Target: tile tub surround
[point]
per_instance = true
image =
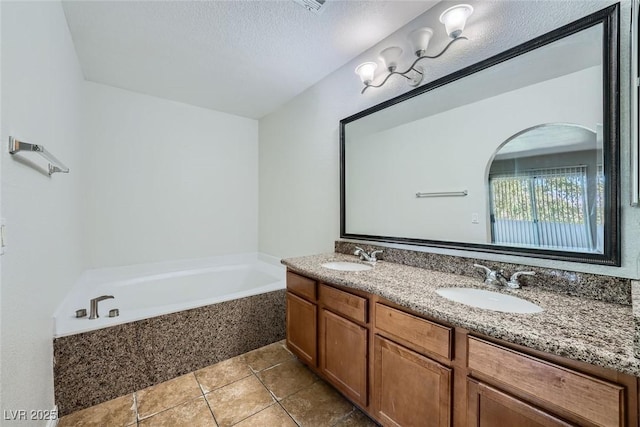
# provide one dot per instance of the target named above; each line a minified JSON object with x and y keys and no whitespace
{"x":602,"y":288}
{"x":97,"y":366}
{"x":578,"y":328}
{"x":265,"y":387}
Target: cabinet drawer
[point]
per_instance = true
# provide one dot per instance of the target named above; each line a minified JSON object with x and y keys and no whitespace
{"x":585,"y":397}
{"x":301,"y":286}
{"x":347,"y":304}
{"x":423,"y":335}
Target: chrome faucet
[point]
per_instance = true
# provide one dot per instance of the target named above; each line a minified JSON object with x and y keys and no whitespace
{"x":364,"y":256}
{"x":497,"y":277}
{"x":513,"y":282}
{"x":492,"y":277}
{"x":94,"y":305}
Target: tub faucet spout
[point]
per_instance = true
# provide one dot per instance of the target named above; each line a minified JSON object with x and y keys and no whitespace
{"x":94,"y":305}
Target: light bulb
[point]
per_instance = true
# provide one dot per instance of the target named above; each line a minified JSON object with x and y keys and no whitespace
{"x":366,"y":71}
{"x":419,"y":39}
{"x":390,"y":56}
{"x":455,"y":18}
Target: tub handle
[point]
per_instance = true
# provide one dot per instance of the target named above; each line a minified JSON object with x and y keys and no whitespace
{"x":94,"y":305}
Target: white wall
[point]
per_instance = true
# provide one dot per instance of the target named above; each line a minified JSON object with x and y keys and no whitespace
{"x":166,"y":180}
{"x":41,"y":84}
{"x":299,"y":143}
{"x":150,"y":180}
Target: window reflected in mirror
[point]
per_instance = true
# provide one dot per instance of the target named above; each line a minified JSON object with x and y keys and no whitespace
{"x":546,"y":189}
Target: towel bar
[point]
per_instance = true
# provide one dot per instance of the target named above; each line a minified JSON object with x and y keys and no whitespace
{"x":55,"y":165}
{"x":443,"y":194}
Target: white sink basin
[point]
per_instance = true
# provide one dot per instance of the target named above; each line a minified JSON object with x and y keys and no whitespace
{"x":346,"y":266}
{"x":489,"y":300}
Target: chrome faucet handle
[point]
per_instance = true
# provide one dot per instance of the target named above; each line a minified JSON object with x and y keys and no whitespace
{"x":364,"y":256}
{"x":492,"y":277}
{"x":373,"y":255}
{"x":514,"y":283}
{"x":94,"y":305}
{"x":487,"y":270}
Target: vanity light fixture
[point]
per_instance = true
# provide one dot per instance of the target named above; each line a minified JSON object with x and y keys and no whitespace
{"x":454,"y":20}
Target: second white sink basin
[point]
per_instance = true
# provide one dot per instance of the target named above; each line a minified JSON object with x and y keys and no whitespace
{"x":346,"y":266}
{"x":489,"y":300}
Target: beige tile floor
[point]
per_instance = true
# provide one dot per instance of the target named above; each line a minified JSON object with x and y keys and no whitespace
{"x":267,"y":387}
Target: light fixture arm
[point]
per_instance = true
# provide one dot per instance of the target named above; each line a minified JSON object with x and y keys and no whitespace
{"x":413,"y":66}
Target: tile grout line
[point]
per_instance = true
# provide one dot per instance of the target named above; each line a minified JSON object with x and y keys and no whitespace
{"x":190,"y":399}
{"x":204,"y":395}
{"x":211,"y":410}
{"x":135,"y":405}
{"x":225,"y":385}
{"x":251,"y":372}
{"x":270,"y":394}
{"x":289,"y":415}
{"x":274,"y":396}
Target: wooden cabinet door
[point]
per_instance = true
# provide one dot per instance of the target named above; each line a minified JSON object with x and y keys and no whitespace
{"x":409,"y":390}
{"x":490,"y":407}
{"x":343,"y":355}
{"x":302,"y":328}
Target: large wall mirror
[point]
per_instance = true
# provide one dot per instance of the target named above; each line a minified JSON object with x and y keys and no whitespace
{"x":517,"y":154}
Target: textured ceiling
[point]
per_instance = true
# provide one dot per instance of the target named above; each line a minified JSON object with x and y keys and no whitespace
{"x":241,"y":57}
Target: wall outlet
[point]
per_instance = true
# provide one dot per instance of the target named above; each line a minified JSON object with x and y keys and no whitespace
{"x":475,"y":219}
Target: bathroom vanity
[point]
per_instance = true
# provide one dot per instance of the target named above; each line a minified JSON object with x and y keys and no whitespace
{"x":408,"y":357}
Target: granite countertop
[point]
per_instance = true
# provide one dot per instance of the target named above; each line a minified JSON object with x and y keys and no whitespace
{"x":582,"y":329}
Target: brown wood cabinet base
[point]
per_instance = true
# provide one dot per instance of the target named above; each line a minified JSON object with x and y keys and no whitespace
{"x":404,"y":369}
{"x":343,"y":355}
{"x":409,"y":389}
{"x":301,"y":328}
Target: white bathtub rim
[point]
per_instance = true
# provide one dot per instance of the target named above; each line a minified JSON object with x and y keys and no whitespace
{"x":69,"y":325}
{"x":93,"y":278}
{"x":112,"y":274}
{"x":182,"y":273}
{"x":91,"y":281}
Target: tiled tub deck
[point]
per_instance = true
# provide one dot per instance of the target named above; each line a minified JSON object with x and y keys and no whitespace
{"x":97,"y":366}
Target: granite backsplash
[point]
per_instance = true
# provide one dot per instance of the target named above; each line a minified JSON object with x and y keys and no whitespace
{"x":602,"y":288}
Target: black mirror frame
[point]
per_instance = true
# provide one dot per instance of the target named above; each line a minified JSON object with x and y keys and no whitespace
{"x":610,"y":19}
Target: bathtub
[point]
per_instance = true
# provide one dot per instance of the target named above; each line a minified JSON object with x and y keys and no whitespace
{"x":150,"y":290}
